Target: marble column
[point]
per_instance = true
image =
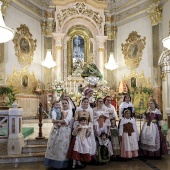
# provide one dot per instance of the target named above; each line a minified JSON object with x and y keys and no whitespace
{"x":57,"y":71}
{"x":164,"y":62}
{"x":101,"y":45}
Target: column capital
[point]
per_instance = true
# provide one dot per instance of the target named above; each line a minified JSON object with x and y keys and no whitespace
{"x":101,"y":40}
{"x":58,"y":37}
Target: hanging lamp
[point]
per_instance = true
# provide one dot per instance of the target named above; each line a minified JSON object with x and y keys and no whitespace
{"x":48,"y":62}
{"x":166,"y":41}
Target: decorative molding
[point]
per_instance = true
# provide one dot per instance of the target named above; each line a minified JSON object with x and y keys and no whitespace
{"x":164,"y":76}
{"x":24,"y":45}
{"x":80,"y":9}
{"x":22,"y":81}
{"x":47,"y":28}
{"x":5,"y":4}
{"x":133,"y":49}
{"x":155,"y":13}
{"x":141,"y":80}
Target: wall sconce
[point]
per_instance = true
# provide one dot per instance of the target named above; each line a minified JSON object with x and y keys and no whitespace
{"x":166,"y":41}
{"x":48,"y":62}
{"x":111,"y":65}
{"x":6,"y":33}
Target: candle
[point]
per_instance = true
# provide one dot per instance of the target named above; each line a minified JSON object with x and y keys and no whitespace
{"x":74,"y":86}
{"x":66,"y":85}
{"x":70,"y":86}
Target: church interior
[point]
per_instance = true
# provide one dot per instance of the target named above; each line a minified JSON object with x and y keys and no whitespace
{"x":114,"y":47}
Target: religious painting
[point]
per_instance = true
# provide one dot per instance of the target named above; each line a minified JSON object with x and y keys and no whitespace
{"x":78,"y":49}
{"x":133,"y":50}
{"x":25,"y":81}
{"x":22,"y":81}
{"x":78,"y":52}
{"x":133,"y":82}
{"x":24,"y":45}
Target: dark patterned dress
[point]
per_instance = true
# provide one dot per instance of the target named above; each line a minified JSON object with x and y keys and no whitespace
{"x":152,"y":141}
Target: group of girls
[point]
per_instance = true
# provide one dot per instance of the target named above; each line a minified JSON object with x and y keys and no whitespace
{"x":89,"y":132}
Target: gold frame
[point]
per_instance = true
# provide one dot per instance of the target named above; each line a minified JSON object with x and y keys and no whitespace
{"x":16,"y":80}
{"x":133,"y":50}
{"x":24,"y":45}
{"x":141,"y":80}
{"x":86,"y":34}
{"x":2,"y":64}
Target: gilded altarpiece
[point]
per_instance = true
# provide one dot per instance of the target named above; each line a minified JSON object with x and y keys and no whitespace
{"x":85,"y":35}
{"x":1,"y":64}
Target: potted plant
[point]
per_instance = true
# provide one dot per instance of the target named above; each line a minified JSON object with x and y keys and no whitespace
{"x":9,"y":94}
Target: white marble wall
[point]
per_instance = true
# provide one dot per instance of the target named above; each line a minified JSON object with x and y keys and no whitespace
{"x":143,"y":27}
{"x":13,"y":19}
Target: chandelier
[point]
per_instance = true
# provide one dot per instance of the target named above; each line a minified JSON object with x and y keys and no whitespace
{"x":111,"y":65}
{"x":6,"y":33}
{"x":48,"y":62}
{"x":166,"y":41}
{"x":92,"y":80}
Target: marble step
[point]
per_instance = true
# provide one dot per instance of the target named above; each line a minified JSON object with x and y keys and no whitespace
{"x":34,"y":148}
{"x":36,"y":141}
{"x":28,"y":157}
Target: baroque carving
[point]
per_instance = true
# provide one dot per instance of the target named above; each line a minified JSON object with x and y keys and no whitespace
{"x":79,"y":9}
{"x":141,"y":80}
{"x":133,"y":49}
{"x":24,"y":45}
{"x":155,"y":14}
{"x":47,"y":28}
{"x":5,"y":4}
{"x":22,"y":81}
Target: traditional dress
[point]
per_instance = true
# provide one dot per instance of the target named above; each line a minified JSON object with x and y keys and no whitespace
{"x":123,"y":106}
{"x":88,"y":113}
{"x":129,"y":144}
{"x":81,"y":149}
{"x":115,"y":140}
{"x":152,"y":140}
{"x":104,"y":150}
{"x":111,"y":110}
{"x":101,"y":120}
{"x":58,"y":142}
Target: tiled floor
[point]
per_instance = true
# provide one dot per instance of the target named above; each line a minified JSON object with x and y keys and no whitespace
{"x":134,"y":164}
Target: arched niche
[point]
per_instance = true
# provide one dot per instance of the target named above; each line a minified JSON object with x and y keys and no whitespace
{"x":84,"y":35}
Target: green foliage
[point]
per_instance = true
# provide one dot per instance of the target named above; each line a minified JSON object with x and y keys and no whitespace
{"x":10,"y":93}
{"x":147,"y":90}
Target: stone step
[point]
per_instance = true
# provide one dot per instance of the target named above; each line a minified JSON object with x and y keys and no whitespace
{"x":29,"y":157}
{"x":36,"y":141}
{"x":34,"y":148}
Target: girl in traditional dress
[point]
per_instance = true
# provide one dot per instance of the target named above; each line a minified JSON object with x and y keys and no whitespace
{"x":114,"y":133}
{"x":126,"y":104}
{"x":59,"y":139}
{"x":128,"y":135}
{"x":109,"y":107}
{"x":81,"y":149}
{"x":101,"y":119}
{"x":152,"y":141}
{"x":104,"y":149}
{"x":86,"y":111}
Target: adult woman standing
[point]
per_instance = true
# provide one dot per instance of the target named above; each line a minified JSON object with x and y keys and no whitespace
{"x":88,"y":93}
{"x":86,"y":111}
{"x":126,"y":104}
{"x":59,"y":139}
{"x":101,"y":119}
{"x":152,"y":140}
{"x":109,"y":107}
